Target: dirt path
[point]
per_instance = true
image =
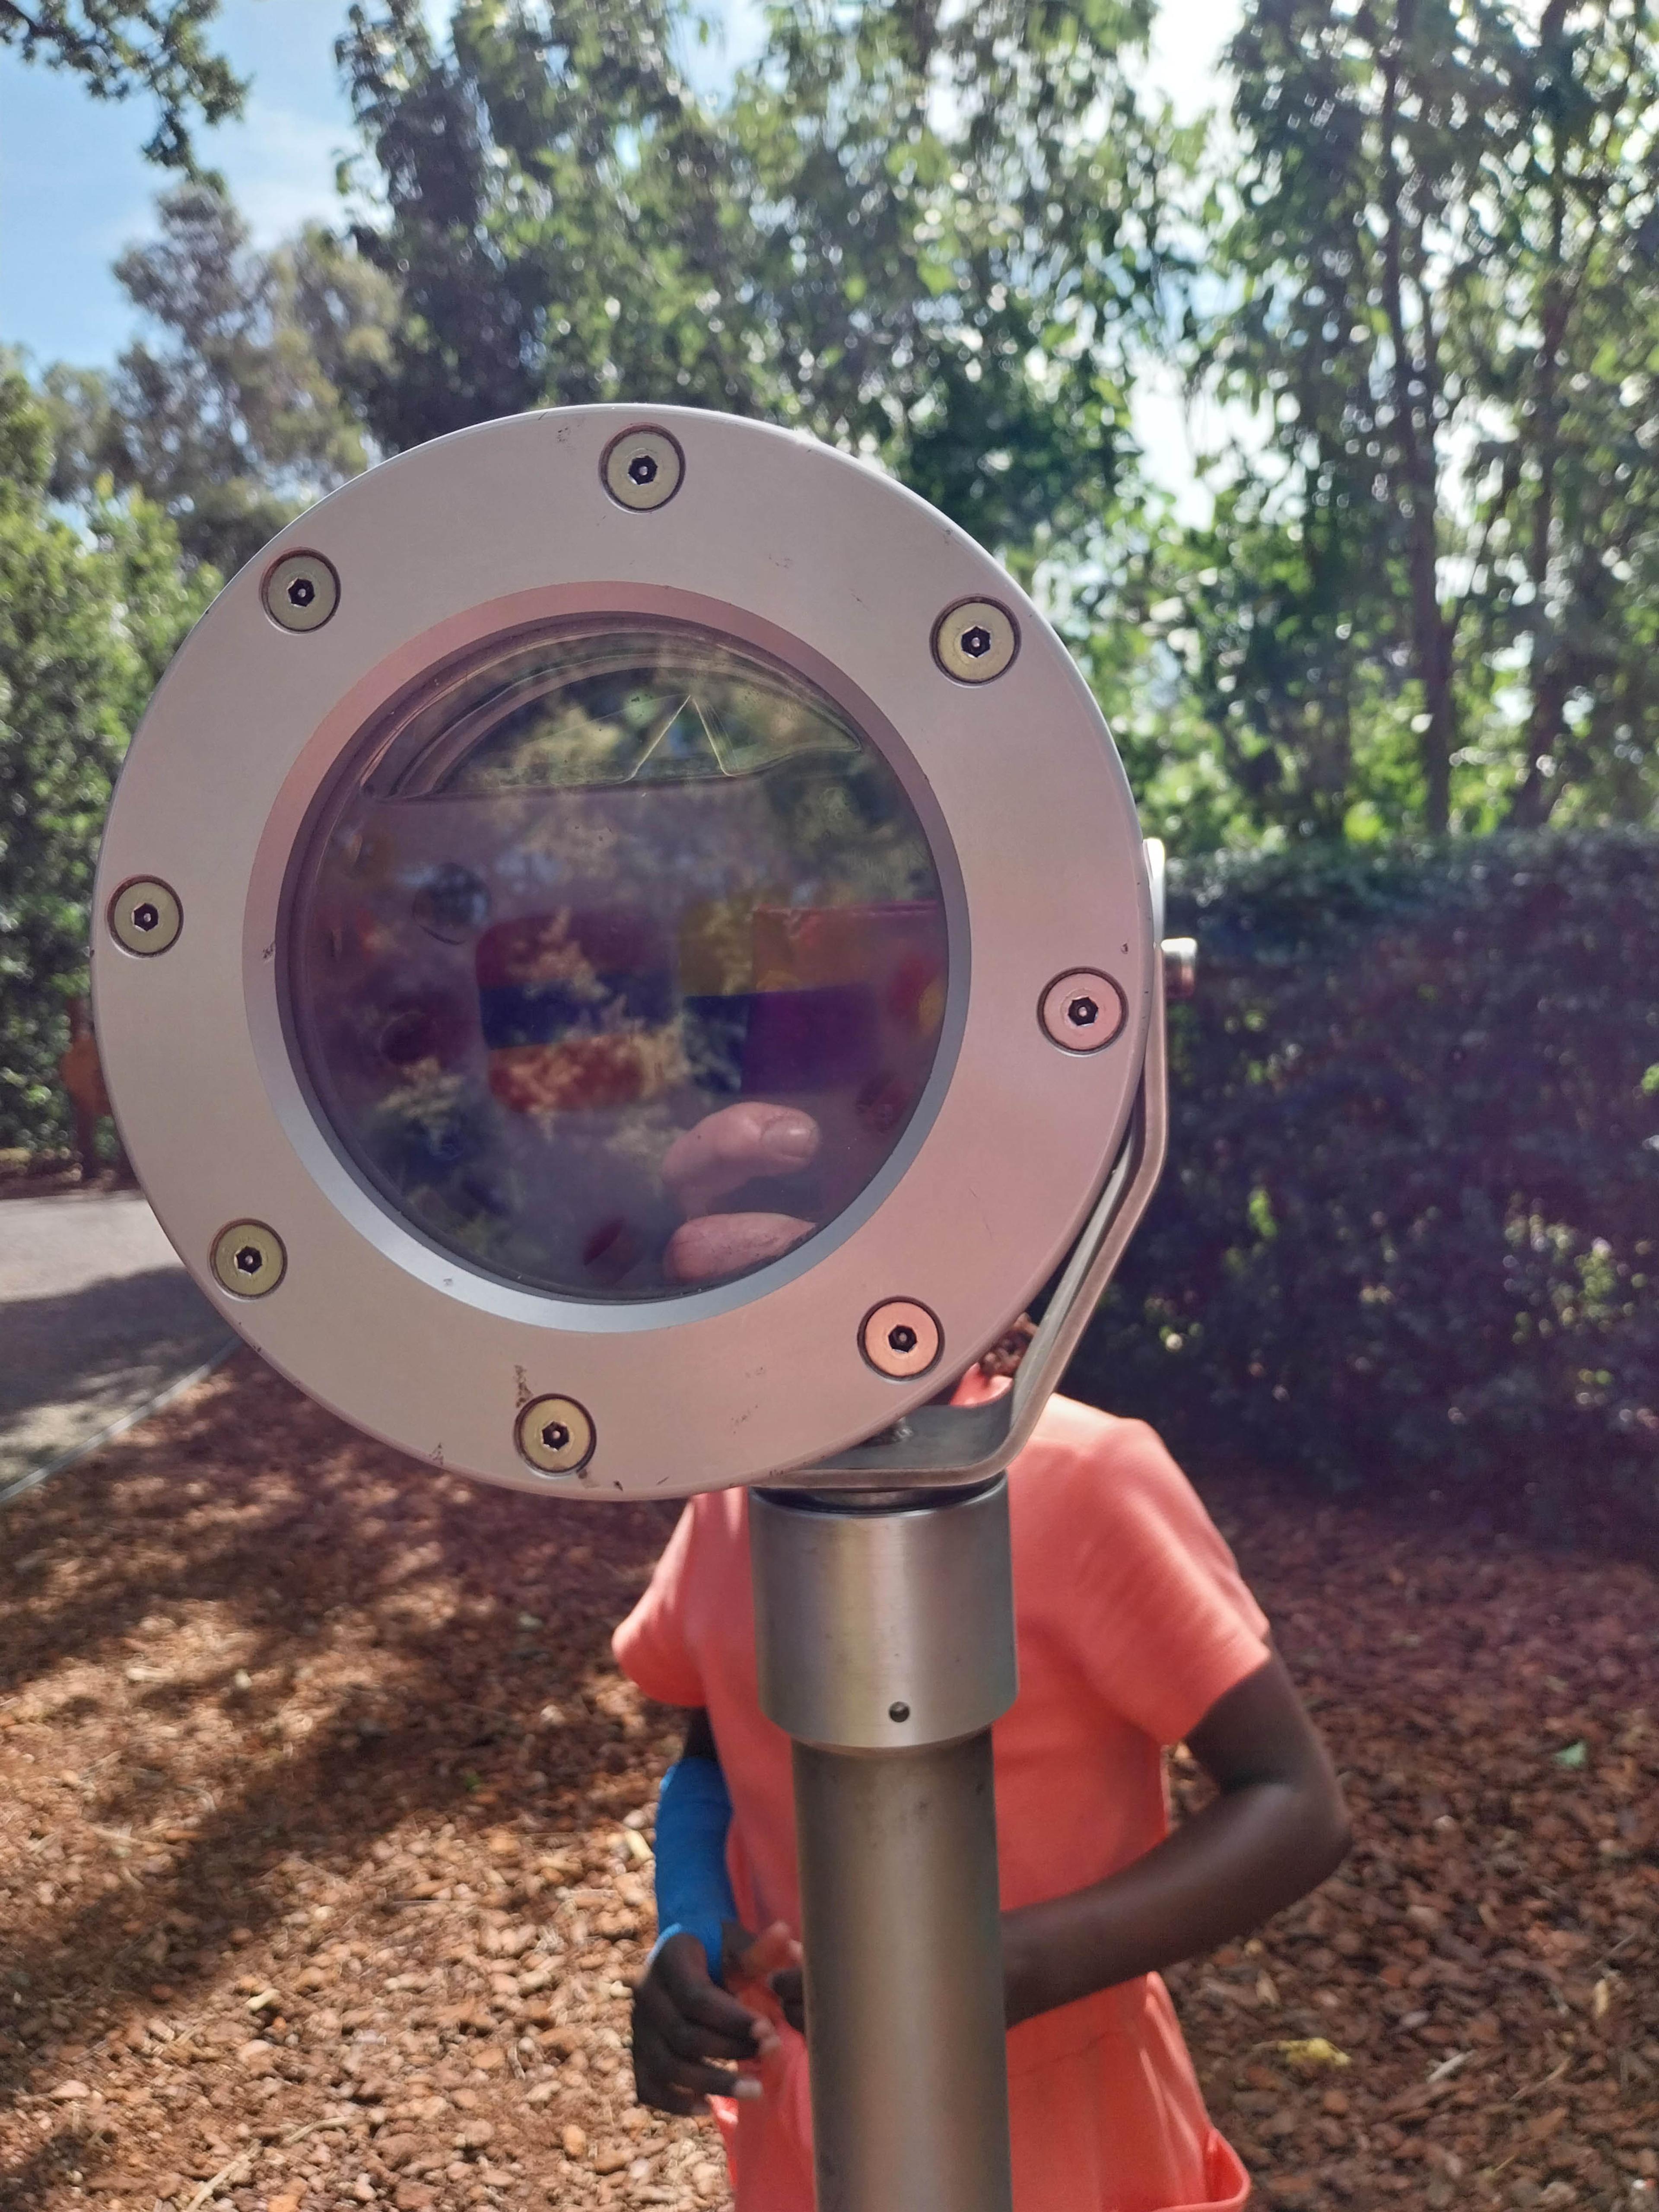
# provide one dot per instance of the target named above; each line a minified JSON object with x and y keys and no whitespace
{"x":325,"y":1841}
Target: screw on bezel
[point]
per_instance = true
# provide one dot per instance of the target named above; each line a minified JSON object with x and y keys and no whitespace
{"x":555,"y":1436}
{"x":975,"y":641}
{"x":249,"y":1259}
{"x":642,"y":469}
{"x":1084,"y":1011}
{"x":902,"y":1339}
{"x":145,"y":916}
{"x":301,"y":592}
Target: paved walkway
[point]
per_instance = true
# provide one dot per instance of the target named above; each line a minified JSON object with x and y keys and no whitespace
{"x":97,"y":1319}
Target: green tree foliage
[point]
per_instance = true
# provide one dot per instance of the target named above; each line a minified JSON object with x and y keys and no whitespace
{"x":232,"y":420}
{"x":87,"y":621}
{"x":1428,"y":265}
{"x":960,"y":212}
{"x":1410,"y":1231}
{"x":924,"y":233}
{"x":1438,"y":237}
{"x":117,"y":49}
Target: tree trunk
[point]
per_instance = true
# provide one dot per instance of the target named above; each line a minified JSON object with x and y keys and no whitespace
{"x":1547,"y":674}
{"x":1415,"y":412}
{"x":1537,"y":790}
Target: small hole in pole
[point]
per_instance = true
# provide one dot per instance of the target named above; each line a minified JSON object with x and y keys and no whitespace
{"x":898,"y":1711}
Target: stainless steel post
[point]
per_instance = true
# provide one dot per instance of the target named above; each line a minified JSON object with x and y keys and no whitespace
{"x":886,"y":1644}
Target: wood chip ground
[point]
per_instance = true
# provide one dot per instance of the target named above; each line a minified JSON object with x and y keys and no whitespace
{"x":325,"y":1824}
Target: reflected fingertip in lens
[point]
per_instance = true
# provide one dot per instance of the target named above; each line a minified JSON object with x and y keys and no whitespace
{"x":790,"y":1136}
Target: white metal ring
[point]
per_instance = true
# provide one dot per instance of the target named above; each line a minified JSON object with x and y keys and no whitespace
{"x":822,"y":564}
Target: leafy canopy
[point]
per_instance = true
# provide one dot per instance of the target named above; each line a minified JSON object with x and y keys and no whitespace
{"x":232,"y":417}
{"x":921,"y":232}
{"x":1437,"y":242}
{"x":120,"y":49}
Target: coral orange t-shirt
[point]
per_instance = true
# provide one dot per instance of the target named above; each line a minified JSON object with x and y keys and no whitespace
{"x":1132,"y":1621}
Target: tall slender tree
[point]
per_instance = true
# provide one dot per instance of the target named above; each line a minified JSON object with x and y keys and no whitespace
{"x":1441,"y":249}
{"x":229,"y":413}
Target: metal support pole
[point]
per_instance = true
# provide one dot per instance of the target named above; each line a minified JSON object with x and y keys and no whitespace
{"x":886,"y":1631}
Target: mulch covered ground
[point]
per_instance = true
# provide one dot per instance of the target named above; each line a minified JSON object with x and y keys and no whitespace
{"x":325,"y":1826}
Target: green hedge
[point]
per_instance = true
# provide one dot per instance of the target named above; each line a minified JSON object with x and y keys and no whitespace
{"x":34,"y":1110}
{"x":1409,"y":1233}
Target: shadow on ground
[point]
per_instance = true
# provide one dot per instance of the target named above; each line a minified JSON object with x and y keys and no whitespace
{"x":96,"y":1319}
{"x":344,"y":1638}
{"x":160,"y":1312}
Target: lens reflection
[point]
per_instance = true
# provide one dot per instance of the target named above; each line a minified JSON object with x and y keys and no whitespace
{"x":606,"y":885}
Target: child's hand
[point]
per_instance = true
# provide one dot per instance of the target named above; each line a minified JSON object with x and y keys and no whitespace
{"x":683,"y":2024}
{"x":756,"y":1967}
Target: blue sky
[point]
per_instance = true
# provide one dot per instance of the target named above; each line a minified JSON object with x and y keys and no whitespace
{"x":74,"y":188}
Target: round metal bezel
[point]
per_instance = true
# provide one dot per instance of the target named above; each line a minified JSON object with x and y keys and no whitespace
{"x":835,"y":571}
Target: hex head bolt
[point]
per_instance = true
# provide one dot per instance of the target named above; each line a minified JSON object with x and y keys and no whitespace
{"x":642,"y":469}
{"x":145,"y":916}
{"x":249,"y":1259}
{"x":301,"y":592}
{"x":901,"y":1339}
{"x":975,"y":641}
{"x":555,"y":1436}
{"x":1084,"y":1011}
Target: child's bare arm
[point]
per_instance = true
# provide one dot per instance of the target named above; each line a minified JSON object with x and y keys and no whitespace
{"x":1277,"y":1829}
{"x":690,"y":2034}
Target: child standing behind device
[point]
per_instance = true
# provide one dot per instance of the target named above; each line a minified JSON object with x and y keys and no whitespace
{"x":1135,"y":1632}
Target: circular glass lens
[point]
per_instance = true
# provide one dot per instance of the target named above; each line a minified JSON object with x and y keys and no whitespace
{"x":618,"y":965}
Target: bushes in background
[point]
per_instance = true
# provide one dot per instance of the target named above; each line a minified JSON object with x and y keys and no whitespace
{"x":1409,"y":1233}
{"x":88,"y":619}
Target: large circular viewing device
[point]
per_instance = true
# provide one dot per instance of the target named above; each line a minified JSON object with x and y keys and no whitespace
{"x":624,"y":957}
{"x":624,"y":954}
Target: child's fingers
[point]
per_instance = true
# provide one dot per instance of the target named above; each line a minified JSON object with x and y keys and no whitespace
{"x":689,"y":1992}
{"x":772,"y":1950}
{"x":683,"y":2104}
{"x":696,"y":2046}
{"x":712,"y":2081}
{"x":721,"y":1243}
{"x":721,"y":2014}
{"x":696,"y":2041}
